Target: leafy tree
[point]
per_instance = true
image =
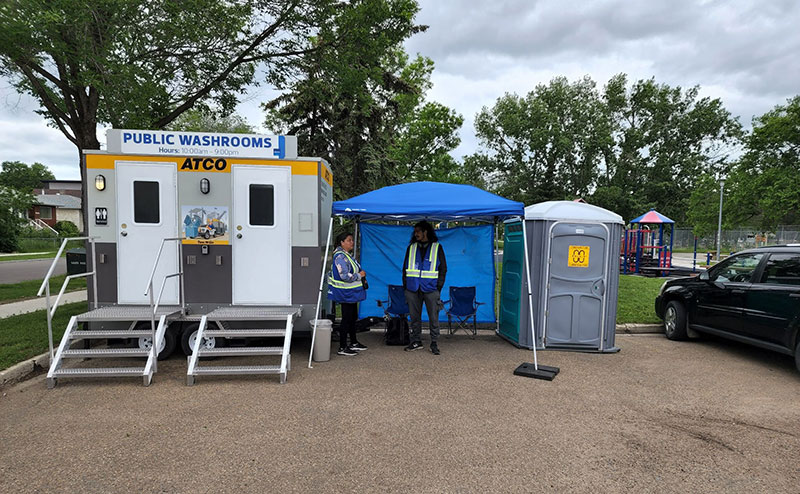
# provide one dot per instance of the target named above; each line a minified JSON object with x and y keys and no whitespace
{"x":547,"y":145}
{"x":360,"y":104}
{"x":664,"y":139}
{"x":629,"y":149}
{"x":203,"y":121}
{"x":422,"y":149}
{"x":23,"y":177}
{"x":766,"y":181}
{"x":13,"y":204}
{"x":141,"y":64}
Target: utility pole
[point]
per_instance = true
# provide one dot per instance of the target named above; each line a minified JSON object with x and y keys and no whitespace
{"x":719,"y":224}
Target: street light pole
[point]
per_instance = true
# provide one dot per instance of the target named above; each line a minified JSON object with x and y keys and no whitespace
{"x":719,"y":224}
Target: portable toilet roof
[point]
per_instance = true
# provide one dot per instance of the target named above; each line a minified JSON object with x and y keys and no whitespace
{"x":570,"y":211}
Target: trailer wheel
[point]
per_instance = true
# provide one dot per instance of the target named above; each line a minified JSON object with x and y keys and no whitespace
{"x":189,"y":335}
{"x":146,"y":342}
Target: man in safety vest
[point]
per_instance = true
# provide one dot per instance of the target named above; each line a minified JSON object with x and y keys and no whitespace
{"x":424,"y":270}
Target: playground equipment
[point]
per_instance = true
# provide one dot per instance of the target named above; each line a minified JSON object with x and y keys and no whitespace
{"x":642,"y":250}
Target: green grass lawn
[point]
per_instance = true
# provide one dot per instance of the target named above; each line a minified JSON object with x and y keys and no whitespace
{"x":25,"y":336}
{"x":26,"y":257}
{"x":27,"y":289}
{"x":636,"y":299}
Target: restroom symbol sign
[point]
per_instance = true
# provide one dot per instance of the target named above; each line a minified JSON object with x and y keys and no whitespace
{"x":100,"y":216}
{"x":578,"y":256}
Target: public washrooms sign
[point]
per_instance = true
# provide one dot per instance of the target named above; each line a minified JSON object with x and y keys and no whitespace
{"x":578,"y":256}
{"x":163,"y":142}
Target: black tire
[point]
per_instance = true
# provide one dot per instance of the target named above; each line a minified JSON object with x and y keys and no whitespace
{"x":170,"y":341}
{"x":797,"y":355}
{"x":206,"y":235}
{"x":675,"y":321}
{"x":186,"y":336}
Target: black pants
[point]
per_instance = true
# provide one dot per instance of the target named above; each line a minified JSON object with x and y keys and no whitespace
{"x":348,"y":324}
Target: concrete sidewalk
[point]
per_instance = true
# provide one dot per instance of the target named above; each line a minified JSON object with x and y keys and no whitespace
{"x":35,"y":304}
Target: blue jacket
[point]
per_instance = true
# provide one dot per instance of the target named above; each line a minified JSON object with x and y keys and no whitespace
{"x":344,"y":282}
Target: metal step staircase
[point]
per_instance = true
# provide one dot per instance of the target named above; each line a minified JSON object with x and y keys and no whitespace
{"x":112,"y":314}
{"x":221,"y":318}
{"x":108,"y":314}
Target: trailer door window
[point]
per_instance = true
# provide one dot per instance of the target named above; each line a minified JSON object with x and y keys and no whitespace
{"x":262,"y":205}
{"x":145,"y":202}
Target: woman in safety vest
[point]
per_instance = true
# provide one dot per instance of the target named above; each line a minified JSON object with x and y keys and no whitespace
{"x":347,"y":287}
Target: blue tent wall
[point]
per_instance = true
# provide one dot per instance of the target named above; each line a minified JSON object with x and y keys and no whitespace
{"x":470,"y":262}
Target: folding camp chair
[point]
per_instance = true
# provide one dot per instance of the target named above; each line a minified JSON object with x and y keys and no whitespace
{"x":396,"y":305}
{"x":462,"y":306}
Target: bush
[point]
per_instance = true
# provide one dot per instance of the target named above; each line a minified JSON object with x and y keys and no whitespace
{"x":8,"y":235}
{"x":31,"y":232}
{"x":67,"y":229}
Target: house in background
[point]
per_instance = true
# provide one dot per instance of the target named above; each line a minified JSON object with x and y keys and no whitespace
{"x":57,"y":200}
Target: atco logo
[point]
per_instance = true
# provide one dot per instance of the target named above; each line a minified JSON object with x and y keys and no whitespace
{"x":207,"y":164}
{"x":578,"y":256}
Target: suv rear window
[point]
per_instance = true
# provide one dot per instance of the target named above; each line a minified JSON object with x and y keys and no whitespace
{"x":782,"y":269}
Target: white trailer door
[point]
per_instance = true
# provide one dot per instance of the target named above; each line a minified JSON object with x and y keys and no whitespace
{"x":262,"y":235}
{"x":147,"y":212}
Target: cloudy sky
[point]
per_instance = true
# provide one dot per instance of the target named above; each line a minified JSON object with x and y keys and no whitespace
{"x":744,"y":52}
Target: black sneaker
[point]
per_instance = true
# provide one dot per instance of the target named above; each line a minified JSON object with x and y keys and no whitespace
{"x":347,"y":352}
{"x":434,"y":348}
{"x":415,"y":345}
{"x":358,"y":347}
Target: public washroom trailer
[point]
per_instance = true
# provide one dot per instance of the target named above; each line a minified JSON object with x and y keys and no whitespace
{"x":221,"y":234}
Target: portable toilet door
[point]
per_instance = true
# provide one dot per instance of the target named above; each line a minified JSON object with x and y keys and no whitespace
{"x":576,"y":287}
{"x":512,"y":283}
{"x":261,"y":235}
{"x":147,"y":206}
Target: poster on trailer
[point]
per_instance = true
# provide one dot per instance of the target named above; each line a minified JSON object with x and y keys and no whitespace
{"x":205,"y":225}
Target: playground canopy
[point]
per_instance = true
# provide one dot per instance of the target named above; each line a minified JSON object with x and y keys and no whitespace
{"x":652,"y":217}
{"x":431,"y":200}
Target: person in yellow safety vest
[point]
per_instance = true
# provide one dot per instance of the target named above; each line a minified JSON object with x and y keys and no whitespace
{"x":424,"y":271}
{"x":347,"y":287}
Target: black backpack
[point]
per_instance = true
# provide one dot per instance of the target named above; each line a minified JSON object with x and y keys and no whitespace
{"x":397,"y":331}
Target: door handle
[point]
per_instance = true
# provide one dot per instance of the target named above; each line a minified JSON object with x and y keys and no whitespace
{"x":794,"y":295}
{"x":737,"y":291}
{"x":124,"y":233}
{"x":238,"y":235}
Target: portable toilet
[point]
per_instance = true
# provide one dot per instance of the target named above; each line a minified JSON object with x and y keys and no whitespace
{"x":574,"y":273}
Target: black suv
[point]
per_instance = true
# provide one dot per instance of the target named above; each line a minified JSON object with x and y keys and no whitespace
{"x":752,"y":297}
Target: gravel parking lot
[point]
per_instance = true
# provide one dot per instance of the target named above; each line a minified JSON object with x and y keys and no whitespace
{"x":659,"y":416}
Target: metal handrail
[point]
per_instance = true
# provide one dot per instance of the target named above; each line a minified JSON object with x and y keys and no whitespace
{"x":64,"y":287}
{"x":149,"y":288}
{"x":51,"y":310}
{"x":161,"y":292}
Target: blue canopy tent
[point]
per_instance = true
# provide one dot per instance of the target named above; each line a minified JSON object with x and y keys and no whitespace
{"x":424,"y":200}
{"x":429,"y":200}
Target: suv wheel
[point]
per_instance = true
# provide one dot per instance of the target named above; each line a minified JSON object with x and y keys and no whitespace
{"x":675,"y":321}
{"x":797,"y":356}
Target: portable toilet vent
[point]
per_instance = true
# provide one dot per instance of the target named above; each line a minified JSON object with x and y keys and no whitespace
{"x":574,"y":273}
